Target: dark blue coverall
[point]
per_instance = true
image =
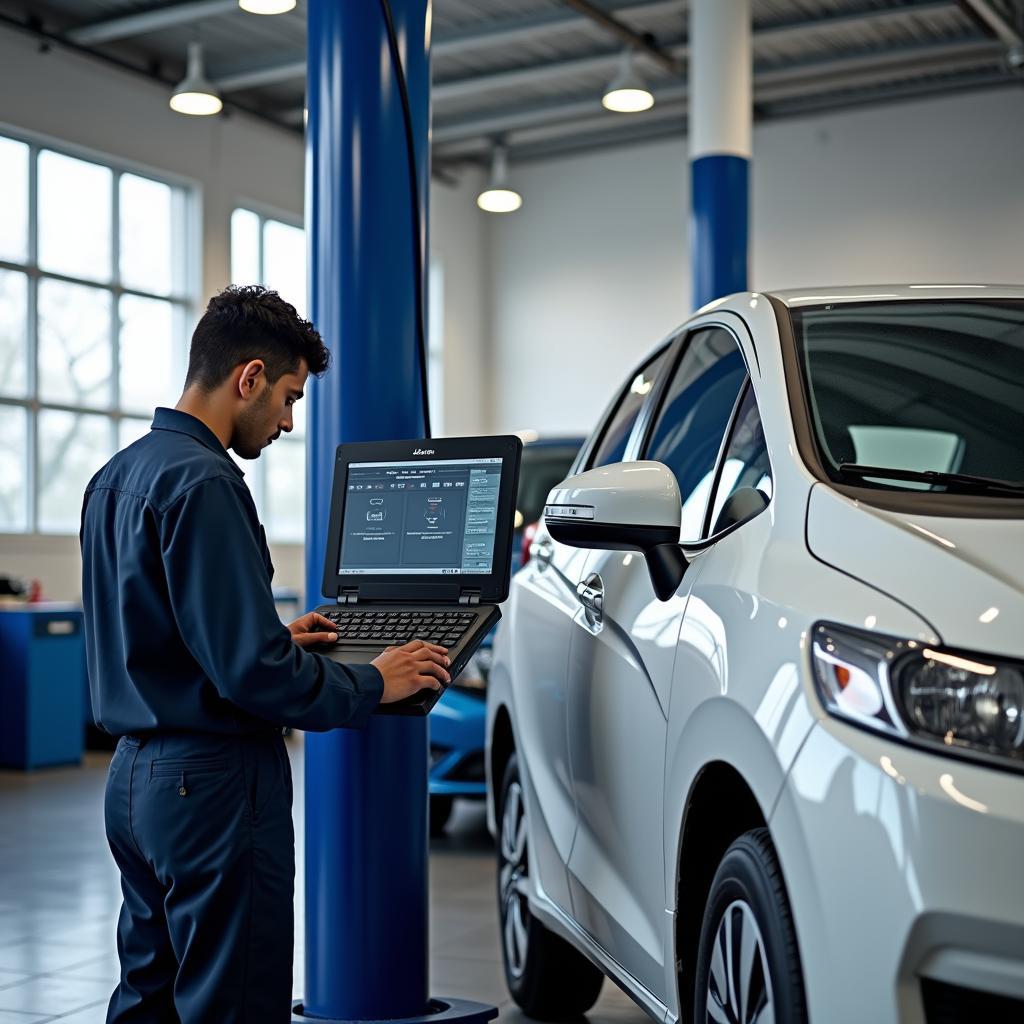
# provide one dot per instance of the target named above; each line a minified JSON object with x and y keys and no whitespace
{"x":190,"y":665}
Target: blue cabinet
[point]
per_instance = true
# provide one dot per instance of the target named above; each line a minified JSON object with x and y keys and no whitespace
{"x":42,"y":686}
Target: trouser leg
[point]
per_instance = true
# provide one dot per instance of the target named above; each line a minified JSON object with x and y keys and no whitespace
{"x":215,"y":819}
{"x":145,"y":991}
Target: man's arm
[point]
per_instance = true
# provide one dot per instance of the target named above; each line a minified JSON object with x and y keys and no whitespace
{"x":225,"y":612}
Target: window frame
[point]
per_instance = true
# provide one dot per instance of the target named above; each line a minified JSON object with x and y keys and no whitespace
{"x":706,"y":535}
{"x":585,"y":459}
{"x":186,"y":253}
{"x":659,"y":392}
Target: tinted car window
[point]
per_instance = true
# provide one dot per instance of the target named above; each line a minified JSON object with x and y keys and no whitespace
{"x":922,"y":386}
{"x":746,"y":459}
{"x":612,"y":446}
{"x":694,"y":417}
{"x":543,"y":467}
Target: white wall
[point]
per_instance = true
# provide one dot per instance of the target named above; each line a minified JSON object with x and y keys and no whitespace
{"x":232,"y":160}
{"x":595,"y":267}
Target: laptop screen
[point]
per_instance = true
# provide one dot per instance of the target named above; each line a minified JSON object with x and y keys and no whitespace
{"x":422,"y":518}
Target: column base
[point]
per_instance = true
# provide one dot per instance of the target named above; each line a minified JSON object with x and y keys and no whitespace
{"x":439,"y":1011}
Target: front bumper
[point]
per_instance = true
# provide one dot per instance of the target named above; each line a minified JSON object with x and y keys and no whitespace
{"x":902,"y":866}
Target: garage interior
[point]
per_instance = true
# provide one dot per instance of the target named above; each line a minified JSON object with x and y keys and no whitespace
{"x":886,"y":147}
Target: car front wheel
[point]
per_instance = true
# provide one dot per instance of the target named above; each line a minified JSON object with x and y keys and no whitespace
{"x":748,"y":964}
{"x":547,"y":977}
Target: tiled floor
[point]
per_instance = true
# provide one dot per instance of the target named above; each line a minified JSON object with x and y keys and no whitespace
{"x":59,"y":899}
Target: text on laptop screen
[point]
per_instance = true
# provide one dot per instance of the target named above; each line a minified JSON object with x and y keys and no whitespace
{"x":431,"y":518}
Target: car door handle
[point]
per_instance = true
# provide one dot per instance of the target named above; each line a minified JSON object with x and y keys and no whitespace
{"x":591,"y":595}
{"x":542,"y":550}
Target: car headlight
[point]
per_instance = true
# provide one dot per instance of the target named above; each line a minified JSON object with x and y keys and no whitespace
{"x":948,"y":700}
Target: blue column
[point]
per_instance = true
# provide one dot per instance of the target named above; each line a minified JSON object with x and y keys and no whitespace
{"x":720,"y":143}
{"x":366,"y":791}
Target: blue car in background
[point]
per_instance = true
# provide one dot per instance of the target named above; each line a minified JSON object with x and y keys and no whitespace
{"x":457,"y":721}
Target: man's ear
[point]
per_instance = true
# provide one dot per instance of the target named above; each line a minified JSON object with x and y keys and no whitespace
{"x":250,"y":377}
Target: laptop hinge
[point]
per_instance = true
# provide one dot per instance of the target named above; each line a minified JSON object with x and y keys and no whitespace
{"x":469,"y":597}
{"x":349,"y":596}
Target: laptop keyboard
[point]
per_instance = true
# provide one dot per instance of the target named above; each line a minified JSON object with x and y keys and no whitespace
{"x":445,"y":627}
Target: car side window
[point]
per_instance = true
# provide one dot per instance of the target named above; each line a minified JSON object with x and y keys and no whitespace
{"x":694,"y":417}
{"x":745,"y":465}
{"x":619,"y":425}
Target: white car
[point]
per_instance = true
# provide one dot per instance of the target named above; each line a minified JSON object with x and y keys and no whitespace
{"x":756,"y":718}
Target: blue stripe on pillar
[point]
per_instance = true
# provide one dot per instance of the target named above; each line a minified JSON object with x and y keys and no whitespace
{"x":719,"y":226}
{"x":366,"y":791}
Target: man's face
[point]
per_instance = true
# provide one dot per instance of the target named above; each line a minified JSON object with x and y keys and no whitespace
{"x":267,"y":412}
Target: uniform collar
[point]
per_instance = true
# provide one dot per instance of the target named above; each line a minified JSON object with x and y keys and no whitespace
{"x":184,"y":423}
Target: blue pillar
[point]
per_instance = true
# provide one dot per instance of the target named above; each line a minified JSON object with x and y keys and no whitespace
{"x":720,"y":142}
{"x":366,"y":791}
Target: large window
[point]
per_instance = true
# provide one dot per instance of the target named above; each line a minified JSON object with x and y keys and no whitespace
{"x":268,"y":251}
{"x":272,"y":253}
{"x":94,"y":307}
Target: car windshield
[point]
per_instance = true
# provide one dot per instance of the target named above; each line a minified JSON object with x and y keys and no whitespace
{"x":933,"y":392}
{"x":543,"y":467}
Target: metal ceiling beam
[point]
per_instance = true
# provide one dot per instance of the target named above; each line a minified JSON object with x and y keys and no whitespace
{"x":997,"y":23}
{"x":873,"y":68}
{"x":769,"y":86}
{"x":152,"y":20}
{"x":267,"y":74}
{"x":512,"y":33}
{"x":545,"y":71}
{"x":793,"y":31}
{"x":533,"y":74}
{"x":535,"y":117}
{"x":641,"y":42}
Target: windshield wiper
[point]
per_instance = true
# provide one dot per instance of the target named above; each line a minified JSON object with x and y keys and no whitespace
{"x":964,"y":482}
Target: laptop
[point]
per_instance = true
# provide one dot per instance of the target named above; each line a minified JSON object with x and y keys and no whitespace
{"x":420,"y":548}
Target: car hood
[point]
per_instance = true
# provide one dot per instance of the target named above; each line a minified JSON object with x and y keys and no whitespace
{"x":963,"y":576}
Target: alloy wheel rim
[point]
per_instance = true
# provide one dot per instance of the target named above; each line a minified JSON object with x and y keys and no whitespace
{"x":513,"y":881}
{"x":739,"y":981}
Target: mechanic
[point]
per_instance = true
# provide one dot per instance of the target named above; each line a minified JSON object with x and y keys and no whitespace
{"x":191,"y":667}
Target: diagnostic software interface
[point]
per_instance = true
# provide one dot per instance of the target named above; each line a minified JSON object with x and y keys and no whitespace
{"x":426,"y":518}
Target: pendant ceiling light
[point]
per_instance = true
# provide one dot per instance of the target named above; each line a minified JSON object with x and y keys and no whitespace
{"x":627,"y":93}
{"x":498,"y":197}
{"x":195,"y":94}
{"x":267,"y":6}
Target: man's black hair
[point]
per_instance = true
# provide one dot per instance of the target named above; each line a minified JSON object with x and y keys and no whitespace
{"x":248,"y":322}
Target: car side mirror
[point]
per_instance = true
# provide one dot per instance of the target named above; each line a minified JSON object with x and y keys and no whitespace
{"x":627,"y":506}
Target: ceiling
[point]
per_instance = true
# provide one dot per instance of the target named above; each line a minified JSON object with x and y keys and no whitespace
{"x":531,"y":72}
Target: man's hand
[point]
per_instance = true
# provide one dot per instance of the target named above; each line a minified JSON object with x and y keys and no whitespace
{"x":311,"y":628}
{"x":414,"y":667}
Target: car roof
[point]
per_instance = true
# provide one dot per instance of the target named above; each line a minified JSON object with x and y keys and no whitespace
{"x":796,"y":297}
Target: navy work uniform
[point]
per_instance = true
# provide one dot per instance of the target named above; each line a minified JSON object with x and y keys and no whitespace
{"x":190,"y":665}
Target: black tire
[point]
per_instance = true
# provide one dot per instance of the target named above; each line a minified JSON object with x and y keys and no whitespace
{"x":548,"y":978}
{"x":440,"y":812}
{"x":748,"y":903}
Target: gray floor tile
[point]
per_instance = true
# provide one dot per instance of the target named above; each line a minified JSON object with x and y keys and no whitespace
{"x":53,"y":995}
{"x":33,"y":957}
{"x":13,"y":1017}
{"x":8,"y":978}
{"x":95,"y":1014}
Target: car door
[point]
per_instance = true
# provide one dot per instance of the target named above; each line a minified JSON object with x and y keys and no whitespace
{"x":619,"y":677}
{"x":545,"y":602}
